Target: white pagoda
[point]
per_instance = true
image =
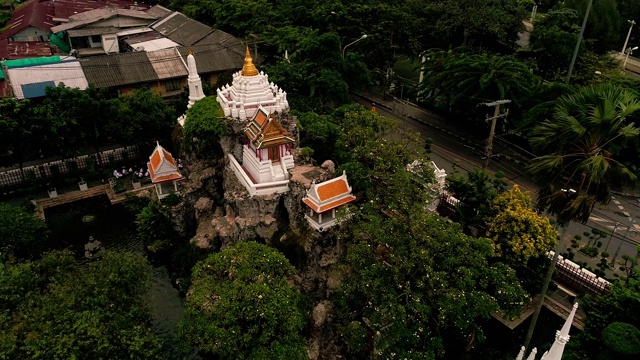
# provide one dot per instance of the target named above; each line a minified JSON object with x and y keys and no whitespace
{"x":562,"y":338}
{"x":324,"y":199}
{"x":195,"y":85}
{"x":250,"y":90}
{"x":266,"y":155}
{"x":163,"y":171}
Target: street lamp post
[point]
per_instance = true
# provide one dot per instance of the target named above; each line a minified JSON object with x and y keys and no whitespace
{"x":629,"y":52}
{"x":632,"y":22}
{"x":353,"y":42}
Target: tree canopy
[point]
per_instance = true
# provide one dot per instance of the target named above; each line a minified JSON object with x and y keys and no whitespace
{"x":240,"y":306}
{"x":204,"y":126}
{"x":51,"y":308}
{"x":22,"y":235}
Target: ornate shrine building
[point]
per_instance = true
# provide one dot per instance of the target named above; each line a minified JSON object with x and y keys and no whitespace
{"x":164,"y":172}
{"x":324,"y":199}
{"x":249,"y":91}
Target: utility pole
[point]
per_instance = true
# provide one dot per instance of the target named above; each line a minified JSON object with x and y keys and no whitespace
{"x":496,"y":115}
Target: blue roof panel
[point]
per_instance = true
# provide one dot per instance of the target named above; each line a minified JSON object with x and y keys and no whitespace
{"x":36,"y":89}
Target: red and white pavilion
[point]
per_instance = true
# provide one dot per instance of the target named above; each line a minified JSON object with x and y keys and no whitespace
{"x":163,"y":171}
{"x":324,"y":199}
{"x":266,"y":155}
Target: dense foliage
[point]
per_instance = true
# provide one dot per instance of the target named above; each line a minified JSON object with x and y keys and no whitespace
{"x":22,"y":235}
{"x":54,"y":309}
{"x":203,"y":127}
{"x":240,"y":306}
{"x":416,"y":287}
{"x":70,"y":121}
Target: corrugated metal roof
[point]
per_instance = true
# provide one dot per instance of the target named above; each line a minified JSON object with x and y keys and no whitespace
{"x":118,"y":69}
{"x":181,"y":29}
{"x":96,"y":15}
{"x":167,"y":64}
{"x":89,"y":31}
{"x":215,"y":37}
{"x":159,"y":11}
{"x":68,"y":72}
{"x":213,"y":58}
{"x":154,"y":45}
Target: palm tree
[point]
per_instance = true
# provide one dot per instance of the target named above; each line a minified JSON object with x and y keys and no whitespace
{"x":465,"y":80}
{"x":487,"y":77}
{"x":581,"y":142}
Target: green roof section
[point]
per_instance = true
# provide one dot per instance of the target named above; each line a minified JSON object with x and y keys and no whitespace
{"x":32,"y":61}
{"x":58,"y":40}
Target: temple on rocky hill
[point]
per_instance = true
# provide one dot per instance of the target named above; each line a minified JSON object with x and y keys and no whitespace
{"x":249,"y":91}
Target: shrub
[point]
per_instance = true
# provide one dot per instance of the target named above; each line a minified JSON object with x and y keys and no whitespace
{"x":622,"y":338}
{"x":172,"y":199}
{"x":119,"y":187}
{"x":590,"y":251}
{"x":586,"y":234}
{"x":574,"y":245}
{"x":604,"y":255}
{"x":571,"y":255}
{"x":576,"y":238}
{"x":599,"y":244}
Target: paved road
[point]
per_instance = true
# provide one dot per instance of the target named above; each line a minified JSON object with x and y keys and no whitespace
{"x":453,"y":151}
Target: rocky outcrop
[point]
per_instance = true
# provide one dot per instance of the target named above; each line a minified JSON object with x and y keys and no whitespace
{"x":226,"y":214}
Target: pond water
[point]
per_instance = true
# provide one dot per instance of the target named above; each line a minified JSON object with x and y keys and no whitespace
{"x":72,"y":224}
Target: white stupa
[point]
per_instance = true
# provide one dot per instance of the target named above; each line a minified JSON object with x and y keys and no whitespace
{"x":194,"y":81}
{"x":249,"y":90}
{"x":562,"y":338}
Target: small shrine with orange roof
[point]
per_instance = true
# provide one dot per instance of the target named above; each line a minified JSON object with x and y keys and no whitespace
{"x":324,"y":199}
{"x":249,"y":91}
{"x":266,"y":155}
{"x":163,"y":171}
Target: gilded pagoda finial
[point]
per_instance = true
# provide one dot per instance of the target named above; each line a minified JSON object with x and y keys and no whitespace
{"x":248,"y":69}
{"x":190,"y":52}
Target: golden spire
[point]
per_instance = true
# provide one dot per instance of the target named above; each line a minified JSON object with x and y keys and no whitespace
{"x":190,"y":52}
{"x":249,"y":69}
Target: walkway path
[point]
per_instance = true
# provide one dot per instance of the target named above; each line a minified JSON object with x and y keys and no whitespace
{"x":76,"y":195}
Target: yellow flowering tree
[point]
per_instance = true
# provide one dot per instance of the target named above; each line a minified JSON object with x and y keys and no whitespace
{"x":516,"y":230}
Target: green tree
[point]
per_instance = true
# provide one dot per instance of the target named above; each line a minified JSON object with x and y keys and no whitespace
{"x":578,"y":149}
{"x":319,"y":133}
{"x":476,"y":192}
{"x":490,"y":21}
{"x":415,"y":287}
{"x":203,"y":127}
{"x":22,"y":235}
{"x":600,"y":335}
{"x":155,"y":227}
{"x":141,"y":117}
{"x":552,"y":42}
{"x":471,"y":79}
{"x":21,"y":132}
{"x":53,"y":309}
{"x":516,"y":230}
{"x":603,"y":26}
{"x":240,"y":306}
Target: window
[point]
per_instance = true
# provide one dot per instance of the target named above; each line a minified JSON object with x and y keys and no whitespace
{"x":96,"y":39}
{"x":173,"y":85}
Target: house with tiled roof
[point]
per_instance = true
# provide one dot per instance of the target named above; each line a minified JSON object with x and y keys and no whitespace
{"x":324,"y":199}
{"x":266,"y":155}
{"x":28,"y":31}
{"x":124,"y":49}
{"x":164,"y":172}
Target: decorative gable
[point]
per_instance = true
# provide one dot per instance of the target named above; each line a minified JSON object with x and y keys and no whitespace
{"x":264,"y":131}
{"x":329,"y":194}
{"x":162,"y":166}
